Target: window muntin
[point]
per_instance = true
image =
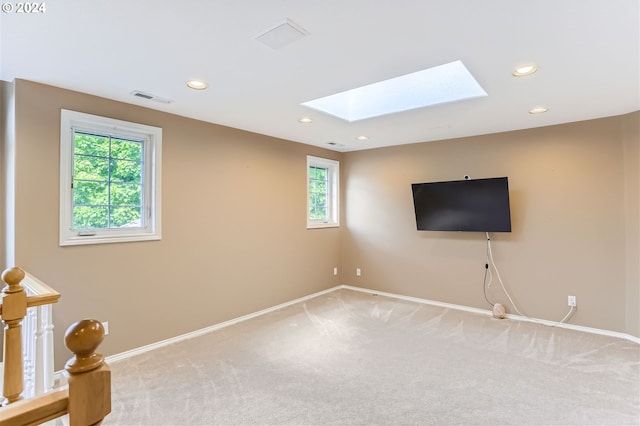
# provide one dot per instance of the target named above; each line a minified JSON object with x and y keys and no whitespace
{"x":110,"y":180}
{"x":322,"y":192}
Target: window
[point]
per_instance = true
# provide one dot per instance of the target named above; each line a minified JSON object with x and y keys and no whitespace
{"x":322,"y":192}
{"x":109,"y":180}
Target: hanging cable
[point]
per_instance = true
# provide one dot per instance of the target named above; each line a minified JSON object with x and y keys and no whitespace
{"x":485,"y":285}
{"x":490,"y":255}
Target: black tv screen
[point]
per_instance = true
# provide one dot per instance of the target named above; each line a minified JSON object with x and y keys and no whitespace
{"x":475,"y":205}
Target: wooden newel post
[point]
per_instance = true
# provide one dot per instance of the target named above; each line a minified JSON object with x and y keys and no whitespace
{"x":89,"y":377}
{"x":14,"y":309}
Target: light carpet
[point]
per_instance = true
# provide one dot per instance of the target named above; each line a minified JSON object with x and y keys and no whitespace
{"x":352,"y":358}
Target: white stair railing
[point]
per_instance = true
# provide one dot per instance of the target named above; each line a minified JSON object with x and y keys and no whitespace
{"x":37,"y":340}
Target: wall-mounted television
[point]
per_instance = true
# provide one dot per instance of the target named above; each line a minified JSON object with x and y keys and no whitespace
{"x":471,"y":205}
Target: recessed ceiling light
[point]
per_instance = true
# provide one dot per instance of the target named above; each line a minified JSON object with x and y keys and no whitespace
{"x":197,"y":84}
{"x":538,"y":110}
{"x":445,"y":83}
{"x":305,"y":120}
{"x":362,"y":138}
{"x":525,"y":70}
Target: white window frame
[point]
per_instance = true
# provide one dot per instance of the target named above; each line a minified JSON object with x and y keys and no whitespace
{"x":333,"y":192}
{"x":70,"y":121}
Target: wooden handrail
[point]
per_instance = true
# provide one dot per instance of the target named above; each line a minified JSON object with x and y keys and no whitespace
{"x":46,"y":295}
{"x":36,"y":410}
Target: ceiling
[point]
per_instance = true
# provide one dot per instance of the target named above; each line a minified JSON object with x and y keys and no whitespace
{"x":587,"y":52}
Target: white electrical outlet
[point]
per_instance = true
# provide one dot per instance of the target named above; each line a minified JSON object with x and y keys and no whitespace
{"x":105,"y":325}
{"x":571,"y":301}
{"x":358,"y":272}
{"x":335,"y":271}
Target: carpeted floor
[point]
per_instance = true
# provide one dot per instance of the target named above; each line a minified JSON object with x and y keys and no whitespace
{"x":351,"y":358}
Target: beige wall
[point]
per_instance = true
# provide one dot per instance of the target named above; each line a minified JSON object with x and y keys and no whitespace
{"x":567,"y":186}
{"x":234,"y":237}
{"x":233,"y":222}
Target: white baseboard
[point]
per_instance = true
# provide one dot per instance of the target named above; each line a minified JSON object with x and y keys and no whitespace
{"x":152,"y":346}
{"x":510,"y":316}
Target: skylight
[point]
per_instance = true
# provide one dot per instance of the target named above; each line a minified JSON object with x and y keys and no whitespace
{"x":450,"y":82}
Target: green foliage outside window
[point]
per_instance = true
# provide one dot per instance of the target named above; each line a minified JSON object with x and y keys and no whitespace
{"x":107,"y":182}
{"x":318,"y":193}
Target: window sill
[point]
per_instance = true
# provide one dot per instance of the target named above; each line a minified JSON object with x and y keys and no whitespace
{"x":322,"y":225}
{"x":106,"y":239}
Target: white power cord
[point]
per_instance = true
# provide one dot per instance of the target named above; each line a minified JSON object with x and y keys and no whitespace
{"x":493,"y":264}
{"x":566,"y":317}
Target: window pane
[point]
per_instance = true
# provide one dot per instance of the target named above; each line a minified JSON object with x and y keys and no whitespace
{"x":126,"y":171}
{"x":317,"y":187}
{"x":317,"y":207}
{"x":90,"y":193}
{"x":126,"y":195}
{"x":88,"y":144}
{"x":90,"y":217}
{"x":318,"y":173}
{"x":90,"y":168}
{"x":126,"y":149}
{"x":107,"y":186}
{"x":129,"y":217}
{"x":318,"y":179}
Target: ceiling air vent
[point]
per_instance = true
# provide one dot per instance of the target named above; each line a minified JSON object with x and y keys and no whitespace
{"x":282,"y":34}
{"x":150,"y":97}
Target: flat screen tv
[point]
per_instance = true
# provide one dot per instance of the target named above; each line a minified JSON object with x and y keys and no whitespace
{"x":473,"y":205}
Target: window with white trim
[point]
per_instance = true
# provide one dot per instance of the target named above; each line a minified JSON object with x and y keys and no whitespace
{"x":110,"y":174}
{"x":323,"y":177}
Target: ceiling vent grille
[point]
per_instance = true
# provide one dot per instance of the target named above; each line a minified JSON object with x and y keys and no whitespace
{"x":282,"y":34}
{"x":150,"y":97}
